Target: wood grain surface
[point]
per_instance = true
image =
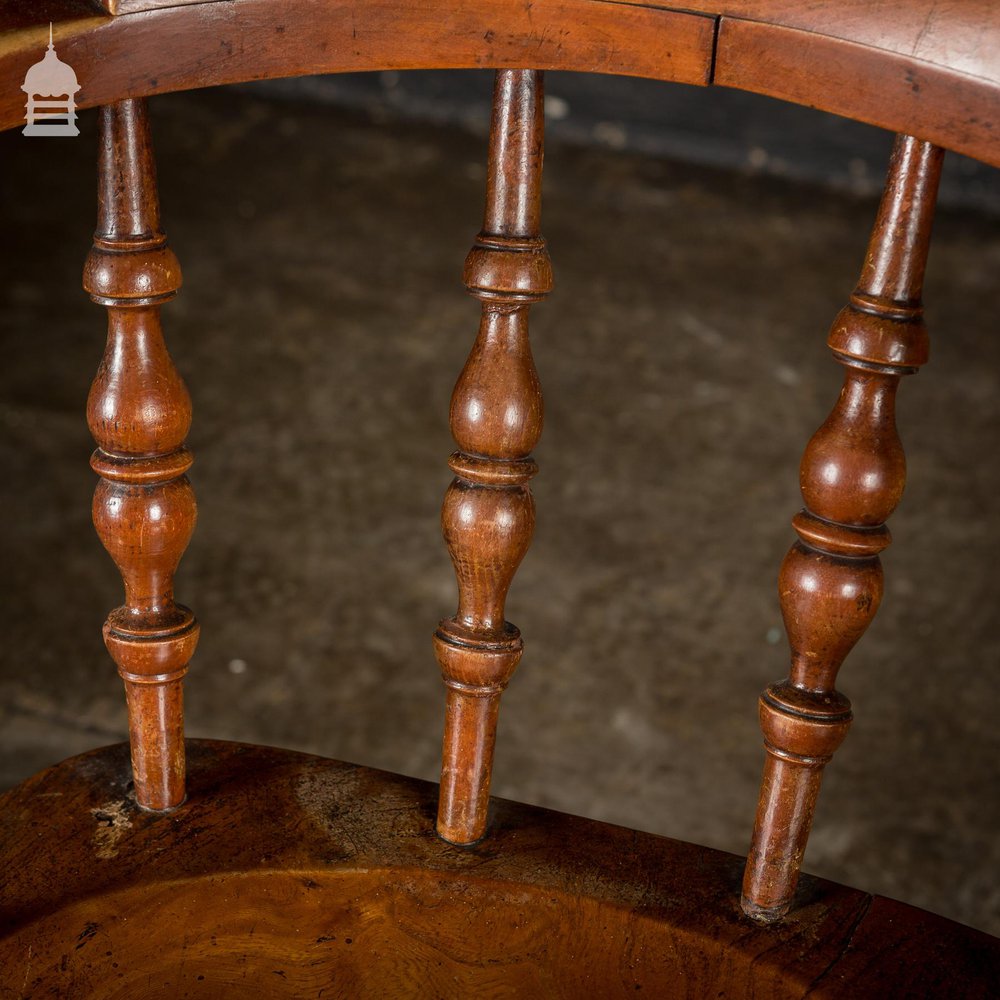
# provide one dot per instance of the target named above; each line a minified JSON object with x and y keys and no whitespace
{"x":488,"y":516}
{"x":132,"y":6}
{"x":852,"y":477}
{"x":285,"y":875}
{"x":200,"y":45}
{"x":922,"y":67}
{"x":139,"y":413}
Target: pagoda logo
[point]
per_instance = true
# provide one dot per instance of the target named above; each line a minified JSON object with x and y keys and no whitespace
{"x":51,"y":86}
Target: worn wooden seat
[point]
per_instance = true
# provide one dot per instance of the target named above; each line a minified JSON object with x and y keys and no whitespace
{"x":289,"y":876}
{"x":230,"y":870}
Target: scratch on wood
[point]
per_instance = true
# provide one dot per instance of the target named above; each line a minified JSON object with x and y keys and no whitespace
{"x":112,"y":823}
{"x":925,"y":29}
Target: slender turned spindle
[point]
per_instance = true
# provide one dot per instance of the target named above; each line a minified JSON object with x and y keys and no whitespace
{"x":852,"y":478}
{"x":496,"y":419}
{"x":139,"y":413}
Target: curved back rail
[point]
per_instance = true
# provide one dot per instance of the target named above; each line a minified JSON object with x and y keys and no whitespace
{"x":907,"y":66}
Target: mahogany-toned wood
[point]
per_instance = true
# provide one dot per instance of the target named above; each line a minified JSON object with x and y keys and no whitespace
{"x":496,"y":419}
{"x":139,"y":412}
{"x":200,"y":45}
{"x":131,"y":6}
{"x":923,"y":68}
{"x":852,"y":478}
{"x":289,"y":876}
{"x":934,"y":95}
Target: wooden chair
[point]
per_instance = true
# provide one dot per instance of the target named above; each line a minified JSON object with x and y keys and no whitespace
{"x":220,"y":869}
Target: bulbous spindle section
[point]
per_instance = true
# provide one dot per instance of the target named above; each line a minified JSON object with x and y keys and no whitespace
{"x":496,"y":419}
{"x":852,"y":478}
{"x":139,"y":413}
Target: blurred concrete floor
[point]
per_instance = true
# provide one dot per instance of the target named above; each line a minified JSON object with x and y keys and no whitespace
{"x":320,"y":330}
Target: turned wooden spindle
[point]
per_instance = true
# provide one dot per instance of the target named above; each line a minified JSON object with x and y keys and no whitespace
{"x":852,"y":478}
{"x":496,"y":419}
{"x":139,"y":413}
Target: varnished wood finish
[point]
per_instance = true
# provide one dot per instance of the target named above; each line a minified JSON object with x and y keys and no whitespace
{"x":918,"y":68}
{"x":496,"y":419}
{"x":929,"y":91}
{"x":139,"y":412}
{"x":287,"y":876}
{"x":132,"y":6}
{"x":200,"y":45}
{"x":548,"y":905}
{"x":852,"y":478}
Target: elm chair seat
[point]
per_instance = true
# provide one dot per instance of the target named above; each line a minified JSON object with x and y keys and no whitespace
{"x":287,"y":875}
